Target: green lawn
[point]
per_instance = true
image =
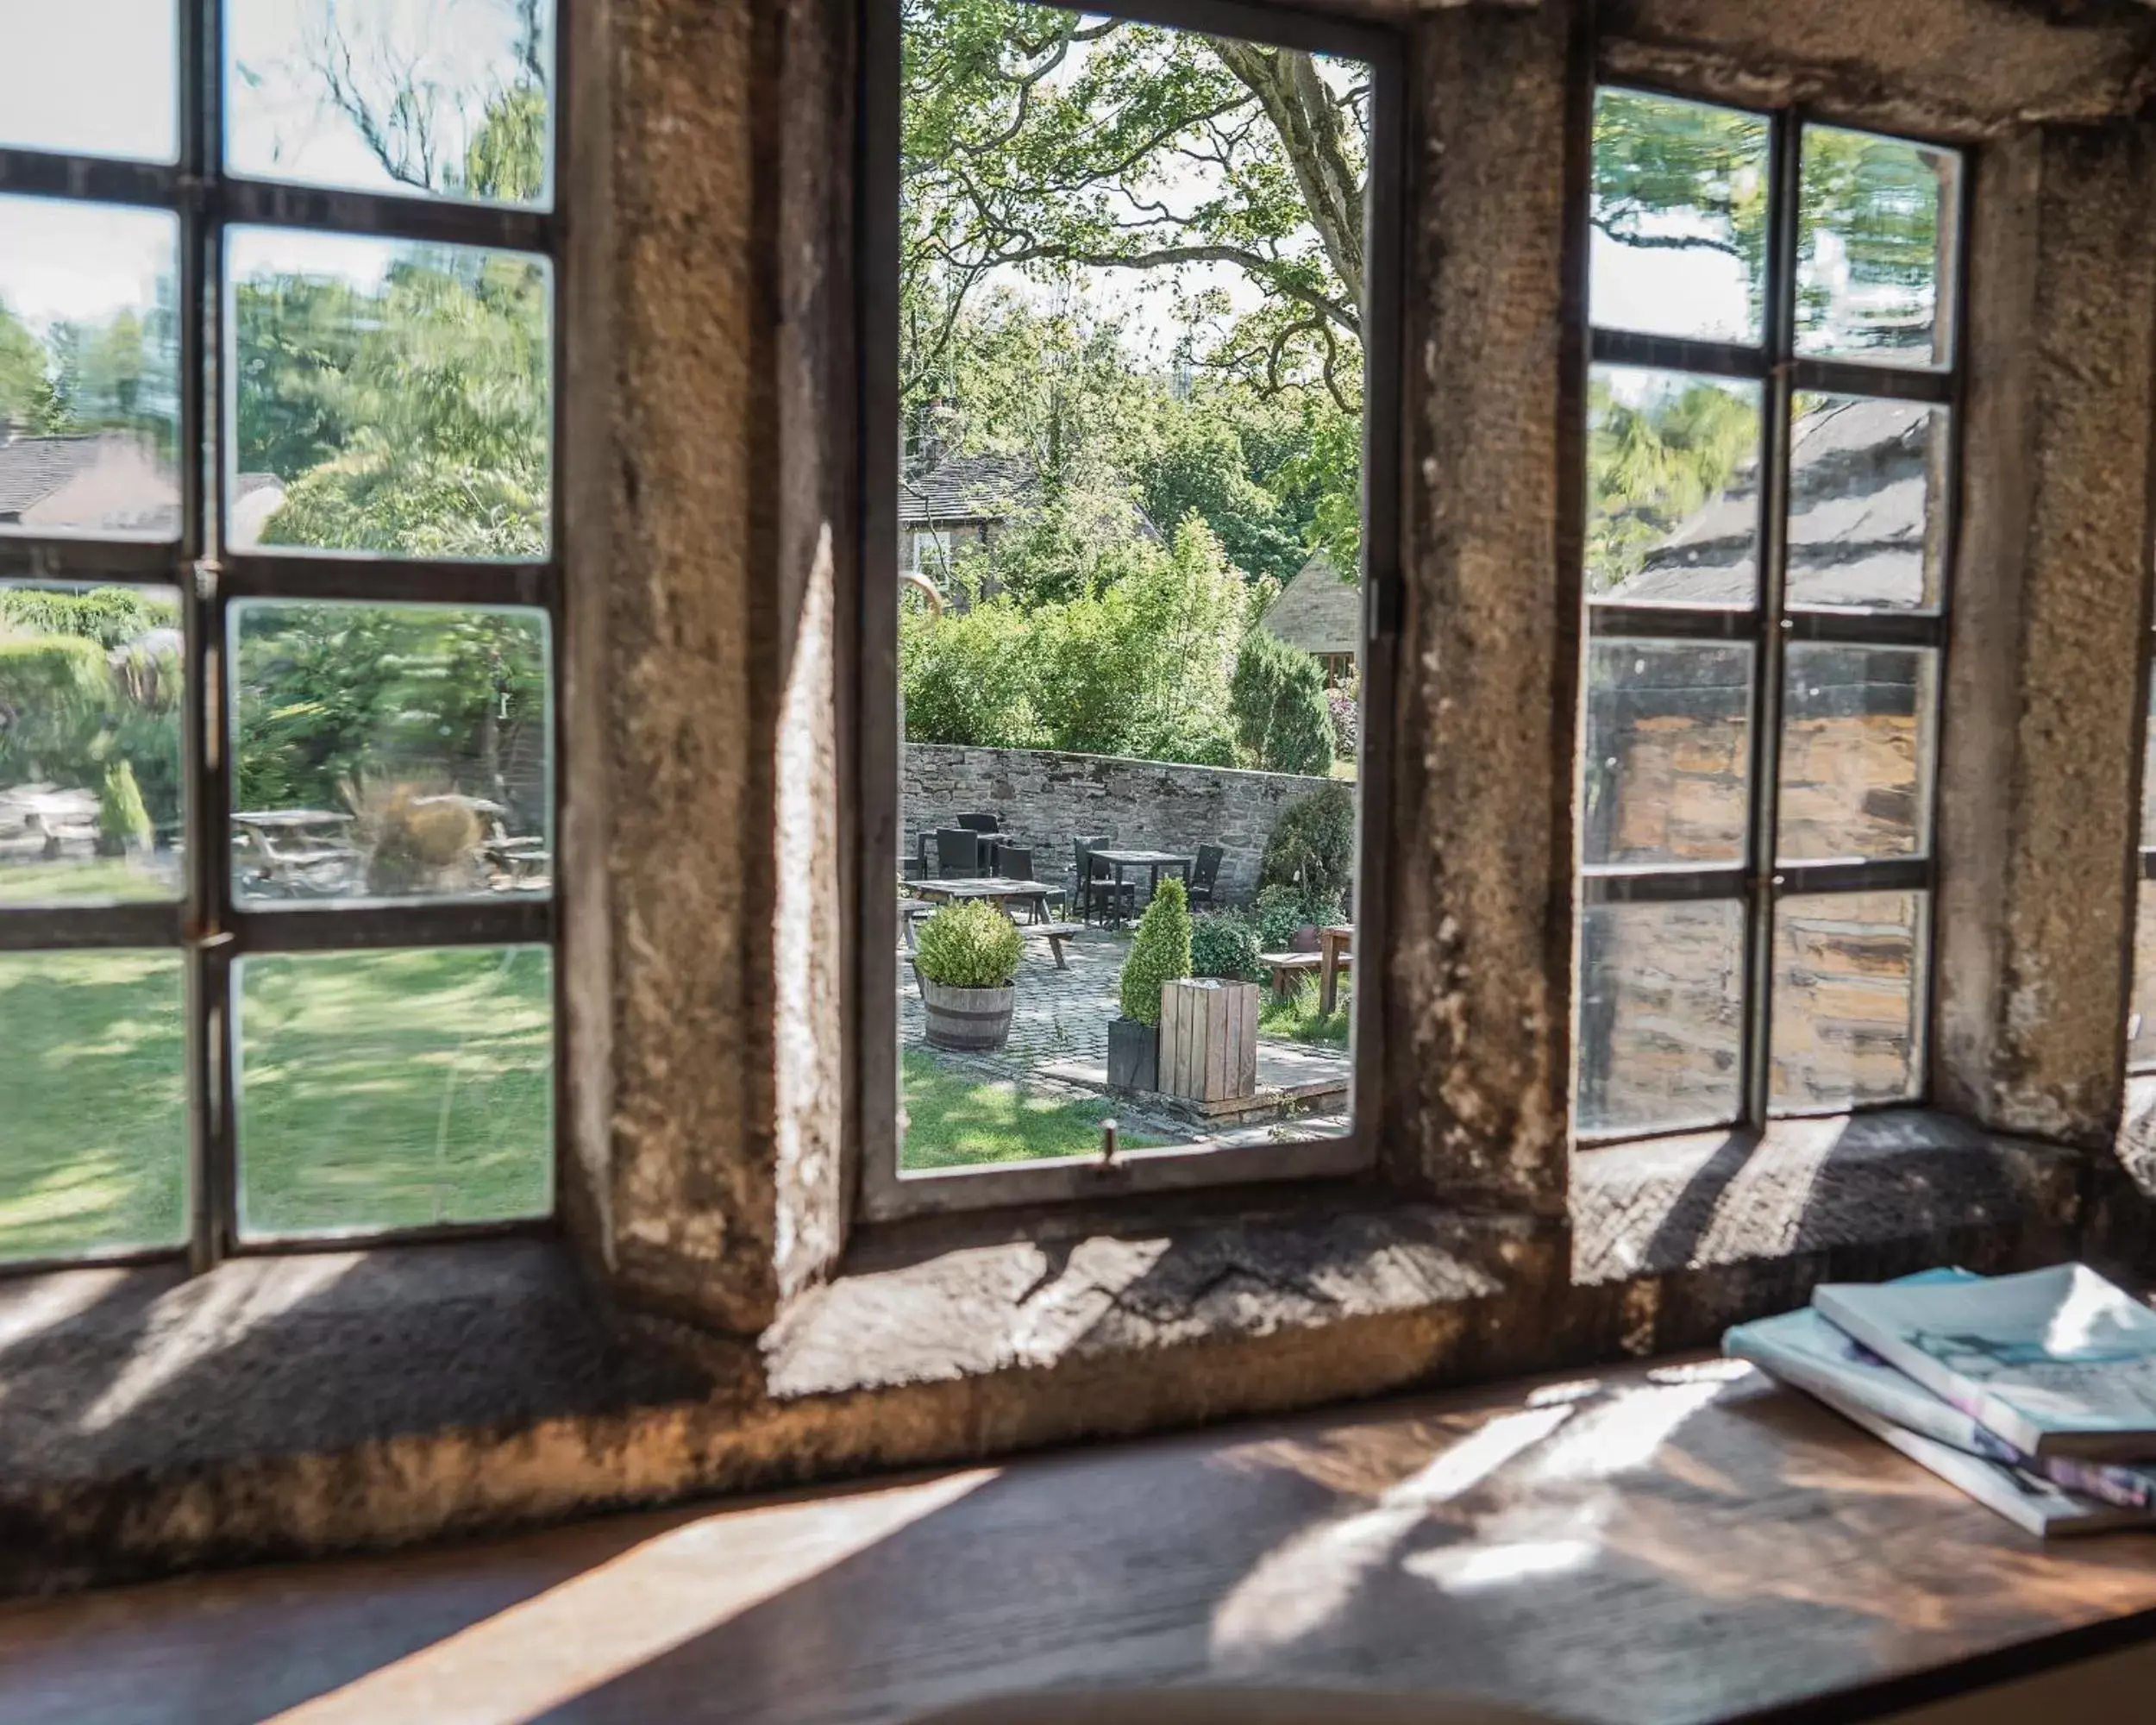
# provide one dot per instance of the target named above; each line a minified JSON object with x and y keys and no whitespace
{"x":378,"y":1090}
{"x":953,"y":1120}
{"x":114,"y":879}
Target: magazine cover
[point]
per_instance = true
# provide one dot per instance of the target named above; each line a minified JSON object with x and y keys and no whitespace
{"x":2057,"y":1362}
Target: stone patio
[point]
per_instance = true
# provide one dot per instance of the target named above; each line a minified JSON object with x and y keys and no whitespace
{"x":1059,"y":1046}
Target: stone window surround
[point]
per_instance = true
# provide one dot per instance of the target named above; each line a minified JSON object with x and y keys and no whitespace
{"x":704,"y":1161}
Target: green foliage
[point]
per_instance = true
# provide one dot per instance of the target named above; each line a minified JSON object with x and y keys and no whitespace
{"x":1297,"y":1017}
{"x":1277,"y":700}
{"x":1285,"y":906}
{"x":1313,"y":846}
{"x":1160,"y":952}
{"x":26,"y":396}
{"x":122,"y":822}
{"x":1225,"y":943}
{"x":970,"y":944}
{"x":110,"y":616}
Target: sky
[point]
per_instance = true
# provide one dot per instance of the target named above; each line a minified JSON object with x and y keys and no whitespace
{"x":99,"y":78}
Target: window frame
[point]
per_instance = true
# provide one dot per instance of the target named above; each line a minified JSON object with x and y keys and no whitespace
{"x":871,"y":747}
{"x":1759,"y":881}
{"x":209,"y":924}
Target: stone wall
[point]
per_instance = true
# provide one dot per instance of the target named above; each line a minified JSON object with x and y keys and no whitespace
{"x":1047,"y":800}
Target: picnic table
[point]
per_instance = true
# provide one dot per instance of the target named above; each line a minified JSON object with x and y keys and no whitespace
{"x":1151,"y":860}
{"x":1000,"y":890}
{"x":317,"y":854}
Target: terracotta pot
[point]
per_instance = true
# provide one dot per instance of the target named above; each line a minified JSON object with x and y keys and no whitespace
{"x":1305,"y":939}
{"x":973,"y":1020}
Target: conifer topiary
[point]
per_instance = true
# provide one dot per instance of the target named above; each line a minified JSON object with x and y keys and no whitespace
{"x":1160,"y":952}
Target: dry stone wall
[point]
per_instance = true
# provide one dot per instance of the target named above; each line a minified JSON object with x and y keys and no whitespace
{"x":1047,"y":800}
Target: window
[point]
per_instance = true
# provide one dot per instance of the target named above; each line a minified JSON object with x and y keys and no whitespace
{"x":1769,"y":521}
{"x":1131,"y":403}
{"x":279,"y":597}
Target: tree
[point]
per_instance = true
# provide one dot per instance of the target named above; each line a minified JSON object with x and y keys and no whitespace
{"x":1281,"y":721}
{"x":1651,"y":463}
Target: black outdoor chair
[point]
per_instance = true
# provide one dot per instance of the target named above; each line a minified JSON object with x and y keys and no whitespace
{"x":1095,"y":883}
{"x":981,"y":823}
{"x":957,"y":854}
{"x":1206,"y":873}
{"x":1015,"y":862}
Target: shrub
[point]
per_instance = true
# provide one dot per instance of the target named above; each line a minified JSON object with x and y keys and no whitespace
{"x":1224,"y":944}
{"x":1312,"y":845}
{"x":1160,"y":952}
{"x":969,"y":945}
{"x":123,"y":823}
{"x":411,"y":834}
{"x":1277,"y":700}
{"x":1284,"y":907}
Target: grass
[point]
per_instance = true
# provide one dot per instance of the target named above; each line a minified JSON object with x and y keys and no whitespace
{"x":955,"y":1120}
{"x":115,"y":880}
{"x":379,"y":1090}
{"x":1297,"y":1020}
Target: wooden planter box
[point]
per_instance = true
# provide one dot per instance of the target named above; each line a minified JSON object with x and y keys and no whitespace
{"x":1208,"y":1040}
{"x":1133,"y":1055}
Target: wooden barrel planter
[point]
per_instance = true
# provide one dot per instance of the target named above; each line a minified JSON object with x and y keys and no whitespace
{"x":971,"y":1020}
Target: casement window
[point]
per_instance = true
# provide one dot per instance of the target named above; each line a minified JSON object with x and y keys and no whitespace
{"x":1129,"y":300}
{"x":279,"y":595}
{"x":1771,"y":503}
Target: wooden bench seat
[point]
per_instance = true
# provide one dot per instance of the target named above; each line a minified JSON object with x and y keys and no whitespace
{"x":1288,"y":968}
{"x":1054,"y":933}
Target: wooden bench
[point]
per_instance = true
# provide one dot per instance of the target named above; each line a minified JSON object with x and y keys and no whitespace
{"x":1288,"y":968}
{"x":1054,"y":933}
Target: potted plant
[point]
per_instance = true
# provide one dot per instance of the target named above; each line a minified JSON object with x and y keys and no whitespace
{"x":1208,"y":1024}
{"x":966,"y":958}
{"x":1160,"y":952}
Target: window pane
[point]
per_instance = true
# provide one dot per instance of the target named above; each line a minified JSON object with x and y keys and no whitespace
{"x":1661,"y":1016}
{"x":91,"y":790}
{"x":1874,"y":246}
{"x":94,"y":77}
{"x":93,"y":1153}
{"x":1672,"y":488}
{"x":1845,"y":999}
{"x":1678,"y":216}
{"x":89,"y":369}
{"x":389,"y":396}
{"x":1857,"y":726}
{"x":395,"y":1089}
{"x":1867,"y":504}
{"x":1128,"y":511}
{"x":449,"y":98}
{"x":390,"y":751}
{"x":1668,"y":752}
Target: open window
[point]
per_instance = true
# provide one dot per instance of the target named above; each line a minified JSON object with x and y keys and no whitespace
{"x":1771,"y":501}
{"x":1129,"y":497}
{"x":279,"y":596}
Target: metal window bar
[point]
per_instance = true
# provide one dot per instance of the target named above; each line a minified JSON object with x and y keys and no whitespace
{"x":871,"y":766}
{"x":210,"y":928}
{"x":1770,"y":625}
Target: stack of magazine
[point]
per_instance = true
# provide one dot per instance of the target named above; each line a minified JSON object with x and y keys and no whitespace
{"x":2034,"y":1394}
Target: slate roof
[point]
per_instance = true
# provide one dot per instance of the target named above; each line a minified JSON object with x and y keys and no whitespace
{"x":964,"y":488}
{"x":1858,"y":483}
{"x":1318,"y":611}
{"x":32,"y":468}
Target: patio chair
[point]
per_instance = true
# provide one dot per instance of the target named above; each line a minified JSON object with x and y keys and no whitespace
{"x":957,"y":854}
{"x":1015,"y":862}
{"x":1207,"y":875}
{"x":1094,"y":882}
{"x":981,"y":823}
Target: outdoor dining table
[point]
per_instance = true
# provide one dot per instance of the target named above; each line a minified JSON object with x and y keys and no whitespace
{"x":998,"y":888}
{"x":1151,"y":860}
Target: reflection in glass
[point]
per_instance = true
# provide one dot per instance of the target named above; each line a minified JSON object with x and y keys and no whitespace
{"x":1846,"y":1000}
{"x":1667,"y":752}
{"x":91,"y":682}
{"x":1874,"y":246}
{"x":1677,"y":214}
{"x":1856,"y":752}
{"x":89,"y":369}
{"x":93,"y":1069}
{"x":92,"y":77}
{"x":1867,"y":504}
{"x":1672,"y":488}
{"x":395,"y":1089}
{"x":450,"y":98}
{"x":1661,"y":1016}
{"x":390,"y":751}
{"x":389,"y":397}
